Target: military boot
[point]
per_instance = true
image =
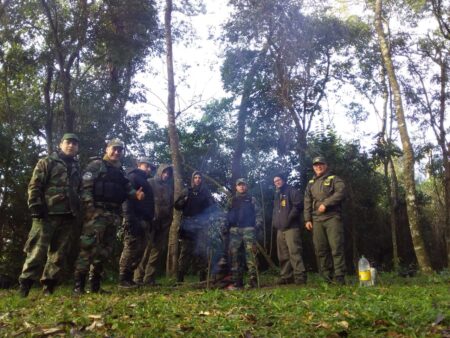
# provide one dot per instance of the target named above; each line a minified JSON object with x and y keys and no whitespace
{"x":79,"y":284}
{"x":95,"y":285}
{"x":202,"y":276}
{"x":126,"y":282}
{"x":25,"y":286}
{"x":48,"y":287}
{"x":180,"y":277}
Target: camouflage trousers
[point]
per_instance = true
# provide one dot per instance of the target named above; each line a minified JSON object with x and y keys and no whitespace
{"x":47,"y":246}
{"x":193,"y":245}
{"x":246,"y":237}
{"x":156,"y":244}
{"x":96,"y":241}
{"x":133,"y":248}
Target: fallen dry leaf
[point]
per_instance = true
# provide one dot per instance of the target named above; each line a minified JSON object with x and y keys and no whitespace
{"x":96,"y":324}
{"x":324,"y":325}
{"x":95,"y":316}
{"x":343,"y":324}
{"x":53,"y":330}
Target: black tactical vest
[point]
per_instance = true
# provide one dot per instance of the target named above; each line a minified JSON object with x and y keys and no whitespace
{"x":110,"y":186}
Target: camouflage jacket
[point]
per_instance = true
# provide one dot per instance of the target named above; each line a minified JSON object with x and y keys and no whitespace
{"x":55,"y":186}
{"x":95,"y":170}
{"x":328,"y":190}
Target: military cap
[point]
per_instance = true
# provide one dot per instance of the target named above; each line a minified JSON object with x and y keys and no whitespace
{"x":144,"y":159}
{"x":115,"y":142}
{"x":319,"y":159}
{"x":241,"y":181}
{"x":70,"y":136}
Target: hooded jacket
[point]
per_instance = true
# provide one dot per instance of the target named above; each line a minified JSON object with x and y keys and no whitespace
{"x":163,"y":194}
{"x":287,"y":208}
{"x":196,"y":199}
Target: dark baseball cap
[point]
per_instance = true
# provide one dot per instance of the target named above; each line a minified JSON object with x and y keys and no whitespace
{"x":115,"y":142}
{"x":70,"y":136}
{"x":319,"y":159}
{"x":241,"y":181}
{"x":144,"y":159}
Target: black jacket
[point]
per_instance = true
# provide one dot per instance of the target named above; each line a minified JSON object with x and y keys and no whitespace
{"x":196,"y":200}
{"x":144,"y":209}
{"x":287,"y":208}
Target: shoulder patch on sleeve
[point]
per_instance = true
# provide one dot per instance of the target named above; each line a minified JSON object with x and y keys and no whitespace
{"x":311,"y":181}
{"x":87,"y":176}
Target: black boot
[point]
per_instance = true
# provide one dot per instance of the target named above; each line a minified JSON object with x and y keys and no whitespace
{"x":126,"y":282}
{"x":25,"y":286}
{"x":180,"y":277}
{"x":48,"y":286}
{"x":95,"y":285}
{"x":202,"y":276}
{"x":79,"y":284}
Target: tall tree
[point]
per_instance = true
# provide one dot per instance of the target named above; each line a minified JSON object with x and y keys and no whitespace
{"x":408,"y":157}
{"x":172,"y":255}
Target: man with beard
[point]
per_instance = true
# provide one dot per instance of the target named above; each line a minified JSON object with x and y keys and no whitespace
{"x":194,"y":203}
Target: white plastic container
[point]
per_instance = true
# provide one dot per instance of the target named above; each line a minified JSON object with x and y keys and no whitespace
{"x":365,"y":278}
{"x":373,"y":276}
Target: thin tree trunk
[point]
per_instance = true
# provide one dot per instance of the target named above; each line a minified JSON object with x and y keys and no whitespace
{"x":408,"y":157}
{"x":172,"y":252}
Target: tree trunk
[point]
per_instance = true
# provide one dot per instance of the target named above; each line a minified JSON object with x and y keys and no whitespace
{"x":172,"y":251}
{"x":48,"y":107}
{"x":408,"y":153}
{"x":445,"y":152}
{"x":236,"y":162}
{"x":392,"y":191}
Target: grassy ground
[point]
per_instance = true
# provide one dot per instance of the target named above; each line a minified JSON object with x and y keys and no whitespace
{"x":397,"y":307}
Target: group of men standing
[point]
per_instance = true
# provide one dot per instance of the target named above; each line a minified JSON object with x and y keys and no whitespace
{"x":109,"y":197}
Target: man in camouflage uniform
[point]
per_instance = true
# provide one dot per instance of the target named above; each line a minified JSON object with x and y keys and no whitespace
{"x":138,"y":218}
{"x":245,"y":218}
{"x":105,"y":188}
{"x":286,"y":218}
{"x":53,"y":200}
{"x":162,"y":188}
{"x":323,"y":198}
{"x":195,"y":203}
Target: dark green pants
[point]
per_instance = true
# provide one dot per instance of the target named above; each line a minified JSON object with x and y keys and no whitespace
{"x":328,"y":238}
{"x":156,"y":243}
{"x":193,"y":245}
{"x":47,"y":247}
{"x":289,"y":250}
